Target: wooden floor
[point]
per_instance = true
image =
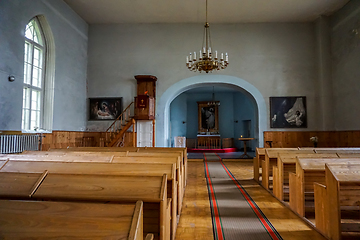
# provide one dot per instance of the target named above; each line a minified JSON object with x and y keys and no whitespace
{"x":195,"y":220}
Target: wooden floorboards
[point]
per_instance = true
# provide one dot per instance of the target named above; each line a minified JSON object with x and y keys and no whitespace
{"x":195,"y":220}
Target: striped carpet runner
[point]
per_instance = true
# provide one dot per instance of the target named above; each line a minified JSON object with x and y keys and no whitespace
{"x":234,"y":214}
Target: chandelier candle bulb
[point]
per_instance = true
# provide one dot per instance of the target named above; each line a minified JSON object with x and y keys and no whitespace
{"x":222,"y":57}
{"x":215,"y":54}
{"x":226,"y":57}
{"x":194,"y":56}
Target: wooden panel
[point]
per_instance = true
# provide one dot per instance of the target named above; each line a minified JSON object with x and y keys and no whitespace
{"x":101,"y":188}
{"x":45,"y":220}
{"x":321,"y":212}
{"x":284,"y":139}
{"x":18,"y":186}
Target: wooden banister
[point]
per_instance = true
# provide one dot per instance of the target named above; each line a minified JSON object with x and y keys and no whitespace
{"x":120,"y":116}
{"x":119,"y":126}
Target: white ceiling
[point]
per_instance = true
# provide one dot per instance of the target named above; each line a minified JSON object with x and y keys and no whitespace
{"x":193,"y":11}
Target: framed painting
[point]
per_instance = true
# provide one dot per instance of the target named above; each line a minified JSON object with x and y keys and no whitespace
{"x":208,"y":117}
{"x":288,"y":112}
{"x":105,"y":108}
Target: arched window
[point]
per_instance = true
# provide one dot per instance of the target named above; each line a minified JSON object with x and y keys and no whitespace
{"x":38,"y":84}
{"x":33,"y":91}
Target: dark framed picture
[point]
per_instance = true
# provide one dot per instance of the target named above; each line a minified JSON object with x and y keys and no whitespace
{"x":208,"y":117}
{"x":288,"y":112}
{"x":105,"y":108}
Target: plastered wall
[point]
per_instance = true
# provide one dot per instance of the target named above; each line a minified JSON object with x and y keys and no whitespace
{"x":70,"y":36}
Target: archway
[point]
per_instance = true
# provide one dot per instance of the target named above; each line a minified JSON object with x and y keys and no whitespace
{"x":163,"y":106}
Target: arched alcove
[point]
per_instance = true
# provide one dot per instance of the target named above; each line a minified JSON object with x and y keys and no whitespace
{"x":163,"y":106}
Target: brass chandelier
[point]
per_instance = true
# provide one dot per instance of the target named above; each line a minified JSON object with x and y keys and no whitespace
{"x":206,"y":61}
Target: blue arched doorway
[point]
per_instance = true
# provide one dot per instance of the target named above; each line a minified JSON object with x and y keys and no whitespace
{"x":163,"y":106}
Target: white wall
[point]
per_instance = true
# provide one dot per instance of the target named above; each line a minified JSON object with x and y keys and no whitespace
{"x":70,"y":35}
{"x":346,"y":67}
{"x":277,"y":59}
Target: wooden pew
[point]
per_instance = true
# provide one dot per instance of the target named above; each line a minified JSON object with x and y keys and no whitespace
{"x":258,"y":159}
{"x":100,"y":189}
{"x":105,"y":156}
{"x":341,"y":189}
{"x":45,"y":220}
{"x":42,"y":156}
{"x":337,"y":150}
{"x":19,"y":186}
{"x":183,"y":152}
{"x":122,"y":169}
{"x":286,"y":163}
{"x":348,"y":155}
{"x":108,"y":158}
{"x":271,"y":155}
{"x":309,"y":171}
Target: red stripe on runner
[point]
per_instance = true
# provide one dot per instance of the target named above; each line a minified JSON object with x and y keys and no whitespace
{"x":218,"y":156}
{"x":268,"y":228}
{"x":213,"y":200}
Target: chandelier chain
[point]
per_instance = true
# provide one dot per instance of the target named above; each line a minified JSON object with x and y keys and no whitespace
{"x":206,"y":61}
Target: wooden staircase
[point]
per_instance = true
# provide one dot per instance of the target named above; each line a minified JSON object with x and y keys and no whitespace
{"x":114,"y":136}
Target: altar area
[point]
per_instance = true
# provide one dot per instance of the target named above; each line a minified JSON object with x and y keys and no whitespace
{"x":210,"y":143}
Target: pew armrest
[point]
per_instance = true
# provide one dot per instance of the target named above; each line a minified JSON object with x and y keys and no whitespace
{"x":321,"y":211}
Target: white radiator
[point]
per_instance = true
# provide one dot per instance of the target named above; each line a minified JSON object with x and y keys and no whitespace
{"x":18,"y":143}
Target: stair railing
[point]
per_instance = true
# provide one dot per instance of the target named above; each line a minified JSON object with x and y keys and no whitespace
{"x":116,"y":126}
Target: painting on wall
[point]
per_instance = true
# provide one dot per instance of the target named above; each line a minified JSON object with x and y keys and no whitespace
{"x":208,"y":117}
{"x":288,"y":112}
{"x":105,"y":108}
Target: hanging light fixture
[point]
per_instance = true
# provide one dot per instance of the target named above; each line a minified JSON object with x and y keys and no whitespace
{"x":206,"y":61}
{"x":213,"y":102}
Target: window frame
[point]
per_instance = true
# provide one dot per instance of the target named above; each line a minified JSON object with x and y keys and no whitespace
{"x":32,"y":45}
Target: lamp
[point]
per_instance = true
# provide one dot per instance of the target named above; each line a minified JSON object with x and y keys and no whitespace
{"x":206,"y":61}
{"x":213,"y":102}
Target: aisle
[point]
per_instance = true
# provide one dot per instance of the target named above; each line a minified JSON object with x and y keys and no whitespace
{"x":196,"y":219}
{"x":234,"y":214}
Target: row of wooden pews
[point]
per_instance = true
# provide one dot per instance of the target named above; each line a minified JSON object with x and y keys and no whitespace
{"x":322,"y":185}
{"x":154,"y":176}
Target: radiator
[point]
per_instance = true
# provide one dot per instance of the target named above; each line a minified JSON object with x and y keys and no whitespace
{"x":18,"y":143}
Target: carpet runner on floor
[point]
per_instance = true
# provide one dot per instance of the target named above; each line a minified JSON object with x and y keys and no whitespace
{"x":234,"y":214}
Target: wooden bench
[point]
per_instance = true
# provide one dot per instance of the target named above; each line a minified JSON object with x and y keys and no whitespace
{"x":122,"y":169}
{"x":96,"y":157}
{"x":98,"y":189}
{"x":19,"y":186}
{"x":286,"y":163}
{"x":45,"y":220}
{"x":106,"y":156}
{"x":309,"y":171}
{"x":182,"y":151}
{"x":271,"y":155}
{"x":337,"y":150}
{"x":341,"y":189}
{"x":258,"y":159}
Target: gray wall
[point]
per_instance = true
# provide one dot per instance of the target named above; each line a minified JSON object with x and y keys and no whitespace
{"x":70,"y":34}
{"x":346,"y":66}
{"x":279,"y":59}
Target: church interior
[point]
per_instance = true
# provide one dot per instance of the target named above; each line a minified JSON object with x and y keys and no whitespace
{"x":129,"y":120}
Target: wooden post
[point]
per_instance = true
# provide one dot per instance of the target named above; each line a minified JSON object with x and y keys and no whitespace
{"x":153,"y":140}
{"x":134,"y":134}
